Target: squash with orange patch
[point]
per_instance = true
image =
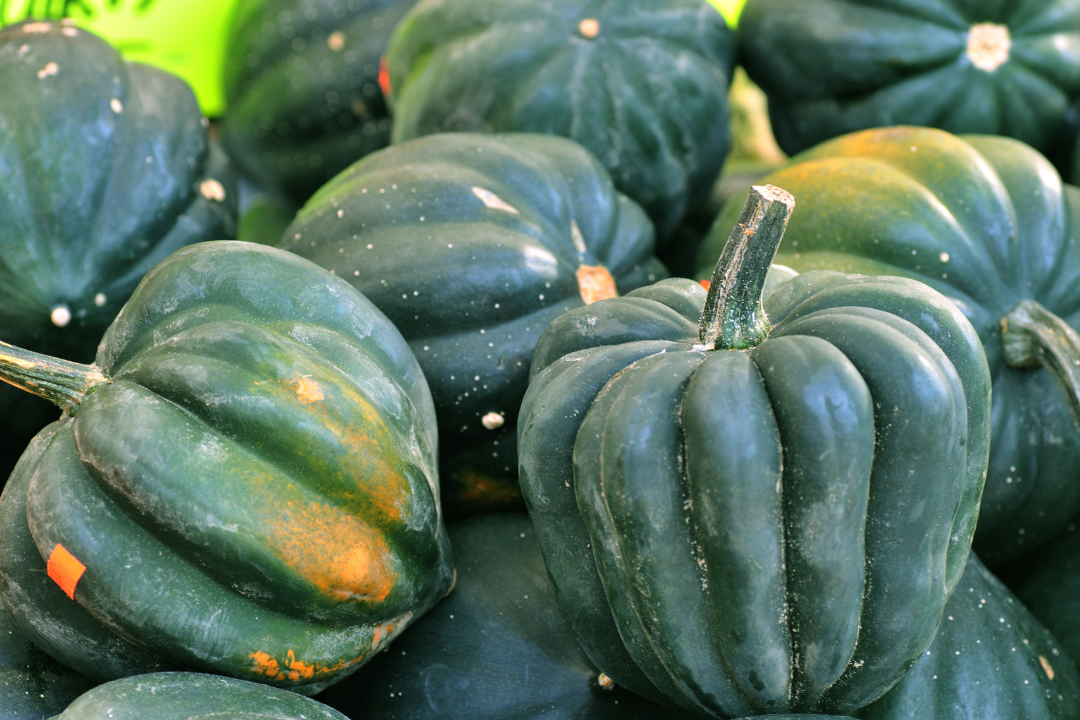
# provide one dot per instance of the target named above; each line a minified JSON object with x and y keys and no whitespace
{"x":243,"y":483}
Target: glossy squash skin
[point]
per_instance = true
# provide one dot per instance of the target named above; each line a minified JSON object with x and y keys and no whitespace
{"x":641,"y":83}
{"x":835,"y":66}
{"x":991,"y":659}
{"x":471,"y":245}
{"x":302,"y":84}
{"x":105,"y":169}
{"x":247,"y":476}
{"x":33,"y":686}
{"x":496,"y":648}
{"x":193,"y":696}
{"x":769,"y":530}
{"x":988,"y":223}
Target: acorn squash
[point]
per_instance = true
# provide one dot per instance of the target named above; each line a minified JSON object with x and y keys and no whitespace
{"x":105,"y":168}
{"x":831,"y":67}
{"x":244,"y":482}
{"x":987,"y":222}
{"x":193,"y":696}
{"x":471,"y":245}
{"x":991,"y":659}
{"x":753,"y":510}
{"x":641,"y":83}
{"x":302,"y":86}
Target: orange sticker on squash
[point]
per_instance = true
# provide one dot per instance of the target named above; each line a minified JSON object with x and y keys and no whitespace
{"x":65,"y":569}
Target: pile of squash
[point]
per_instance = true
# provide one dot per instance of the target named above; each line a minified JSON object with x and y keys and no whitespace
{"x":448,"y":376}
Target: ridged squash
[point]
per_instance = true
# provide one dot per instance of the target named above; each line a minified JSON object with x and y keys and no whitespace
{"x":105,"y":168}
{"x":244,"y":482}
{"x":471,"y":245}
{"x":641,"y":83}
{"x":987,"y":222}
{"x":753,"y":508}
{"x":832,"y":67}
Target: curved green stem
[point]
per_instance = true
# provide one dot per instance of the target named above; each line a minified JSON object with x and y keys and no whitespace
{"x":60,"y":382}
{"x":1032,"y":336}
{"x":733,"y":318}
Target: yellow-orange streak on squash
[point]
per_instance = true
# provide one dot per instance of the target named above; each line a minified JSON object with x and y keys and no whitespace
{"x":595,"y":283}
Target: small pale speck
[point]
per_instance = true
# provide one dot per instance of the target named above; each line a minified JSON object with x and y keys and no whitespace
{"x":116,"y":105}
{"x":211,"y":189}
{"x":341,"y":213}
{"x":48,"y":71}
{"x":943,"y":257}
{"x":589,"y":28}
{"x":70,"y":32}
{"x":60,"y":316}
{"x":100,"y":299}
{"x":336,"y":41}
{"x":492,"y":421}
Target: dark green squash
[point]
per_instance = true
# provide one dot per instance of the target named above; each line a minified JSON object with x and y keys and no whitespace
{"x":471,"y":245}
{"x":988,"y":223}
{"x":496,"y":648}
{"x":641,"y":83}
{"x":775,"y":529}
{"x":33,"y":686}
{"x":831,"y":67}
{"x":193,"y":696}
{"x":105,"y":168}
{"x":1050,"y":588}
{"x":246,"y":478}
{"x":301,"y":79}
{"x":991,"y":659}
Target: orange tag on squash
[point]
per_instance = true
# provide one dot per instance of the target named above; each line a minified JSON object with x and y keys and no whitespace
{"x":65,"y":569}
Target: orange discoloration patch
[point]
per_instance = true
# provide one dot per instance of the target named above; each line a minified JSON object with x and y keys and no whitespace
{"x":266,"y":665}
{"x":65,"y":569}
{"x":307,"y":390}
{"x":705,"y":283}
{"x":336,"y":552}
{"x":1046,"y":667}
{"x":595,"y":283}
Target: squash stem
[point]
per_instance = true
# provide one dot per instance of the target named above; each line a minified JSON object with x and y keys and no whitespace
{"x":1032,"y":336}
{"x":733,"y":317}
{"x":62,"y":383}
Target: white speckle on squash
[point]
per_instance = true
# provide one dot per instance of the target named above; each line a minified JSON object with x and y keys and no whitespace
{"x":100,"y":300}
{"x":48,"y":71}
{"x":116,"y":105}
{"x":336,"y":41}
{"x":70,"y":32}
{"x":493,"y":421}
{"x":212,"y":190}
{"x":60,"y":316}
{"x":37,"y":28}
